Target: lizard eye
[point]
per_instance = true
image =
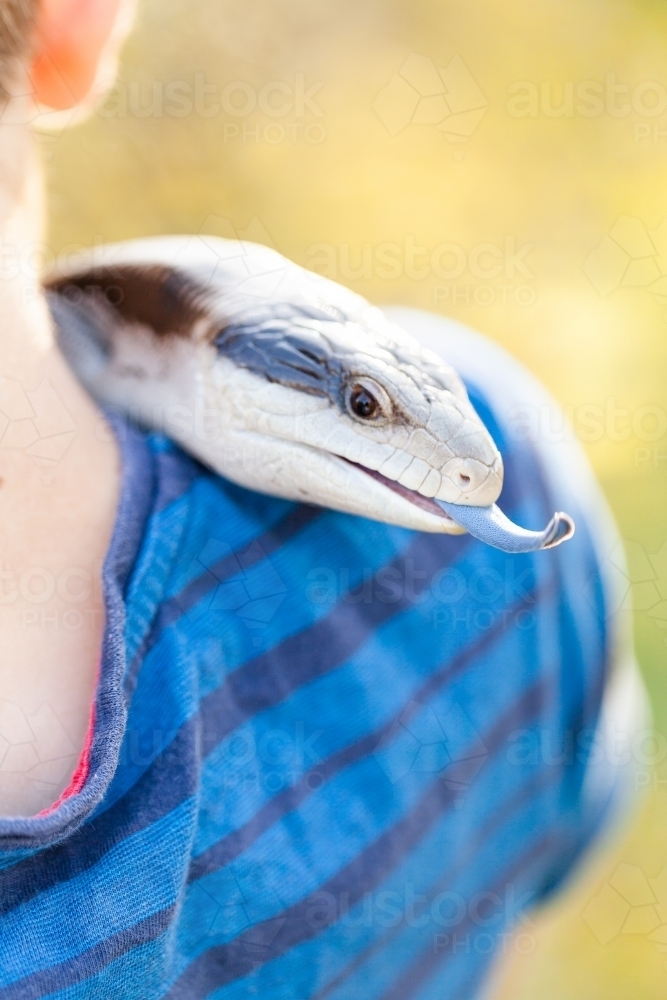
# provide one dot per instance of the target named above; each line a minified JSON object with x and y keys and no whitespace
{"x":362,"y":403}
{"x":367,"y":401}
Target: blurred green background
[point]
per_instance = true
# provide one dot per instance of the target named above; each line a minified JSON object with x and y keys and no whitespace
{"x":503,"y":162}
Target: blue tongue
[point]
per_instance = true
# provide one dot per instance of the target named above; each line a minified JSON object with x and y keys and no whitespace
{"x":490,"y":525}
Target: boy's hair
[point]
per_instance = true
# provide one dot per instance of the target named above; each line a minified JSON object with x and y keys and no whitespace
{"x":15,"y":23}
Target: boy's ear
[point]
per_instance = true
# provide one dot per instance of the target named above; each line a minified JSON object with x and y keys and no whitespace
{"x":71,"y":39}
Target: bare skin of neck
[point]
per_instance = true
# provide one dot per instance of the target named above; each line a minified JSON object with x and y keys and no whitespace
{"x":59,"y":483}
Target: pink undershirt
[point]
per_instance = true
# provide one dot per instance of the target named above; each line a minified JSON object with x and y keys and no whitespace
{"x":78,"y":779}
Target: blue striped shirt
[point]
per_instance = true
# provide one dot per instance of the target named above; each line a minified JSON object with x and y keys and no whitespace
{"x":331,"y":758}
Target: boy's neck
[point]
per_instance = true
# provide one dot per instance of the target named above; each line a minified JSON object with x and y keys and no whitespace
{"x":59,"y":480}
{"x":29,"y":357}
{"x":25,"y":332}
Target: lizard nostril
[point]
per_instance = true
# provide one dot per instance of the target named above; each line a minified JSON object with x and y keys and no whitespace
{"x":464,"y":479}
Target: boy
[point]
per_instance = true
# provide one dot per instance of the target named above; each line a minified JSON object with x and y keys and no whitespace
{"x":290,"y":752}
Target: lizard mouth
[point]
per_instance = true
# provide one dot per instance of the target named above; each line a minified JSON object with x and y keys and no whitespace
{"x":426,"y":503}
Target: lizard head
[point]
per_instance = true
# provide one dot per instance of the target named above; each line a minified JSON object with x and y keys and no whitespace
{"x":280,"y":380}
